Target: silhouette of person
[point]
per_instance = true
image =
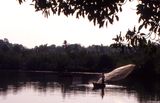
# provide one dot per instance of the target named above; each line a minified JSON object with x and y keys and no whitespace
{"x":103,"y":78}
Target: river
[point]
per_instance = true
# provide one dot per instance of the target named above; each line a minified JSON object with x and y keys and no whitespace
{"x":72,"y":88}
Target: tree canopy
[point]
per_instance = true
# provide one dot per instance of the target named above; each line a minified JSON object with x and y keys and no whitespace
{"x":102,"y":12}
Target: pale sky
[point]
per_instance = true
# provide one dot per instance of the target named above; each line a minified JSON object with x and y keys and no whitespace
{"x":22,"y":25}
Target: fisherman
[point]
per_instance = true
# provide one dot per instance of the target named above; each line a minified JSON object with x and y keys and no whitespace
{"x":103,"y":78}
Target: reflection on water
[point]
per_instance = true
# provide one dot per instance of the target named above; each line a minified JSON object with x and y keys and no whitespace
{"x":68,"y":88}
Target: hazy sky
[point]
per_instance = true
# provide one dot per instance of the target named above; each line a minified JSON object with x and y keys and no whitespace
{"x":21,"y":24}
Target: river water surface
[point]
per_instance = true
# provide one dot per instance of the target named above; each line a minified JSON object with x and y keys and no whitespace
{"x":72,"y":88}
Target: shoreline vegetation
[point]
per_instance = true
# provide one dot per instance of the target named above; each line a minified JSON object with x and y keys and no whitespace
{"x":74,"y":58}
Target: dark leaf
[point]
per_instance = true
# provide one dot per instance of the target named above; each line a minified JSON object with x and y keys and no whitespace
{"x":120,"y":8}
{"x":106,"y":23}
{"x":140,"y":27}
{"x":21,"y":1}
{"x":155,"y":29}
{"x":110,"y":20}
{"x":134,"y":29}
{"x":145,"y":25}
{"x":139,"y":20}
{"x":117,"y":18}
{"x":142,"y":34}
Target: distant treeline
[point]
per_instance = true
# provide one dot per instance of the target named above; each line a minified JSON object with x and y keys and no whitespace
{"x":76,"y":58}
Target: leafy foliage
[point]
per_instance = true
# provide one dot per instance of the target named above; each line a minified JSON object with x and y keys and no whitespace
{"x":133,"y":38}
{"x":102,"y":12}
{"x":99,"y":11}
{"x":145,"y":52}
{"x":149,"y":11}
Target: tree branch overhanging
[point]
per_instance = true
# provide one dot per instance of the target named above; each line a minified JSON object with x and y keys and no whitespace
{"x":102,"y":12}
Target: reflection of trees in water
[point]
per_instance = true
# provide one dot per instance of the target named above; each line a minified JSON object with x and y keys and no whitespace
{"x":16,"y":81}
{"x":146,"y":90}
{"x":10,"y":83}
{"x":68,"y":85}
{"x":149,"y":91}
{"x":40,"y":81}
